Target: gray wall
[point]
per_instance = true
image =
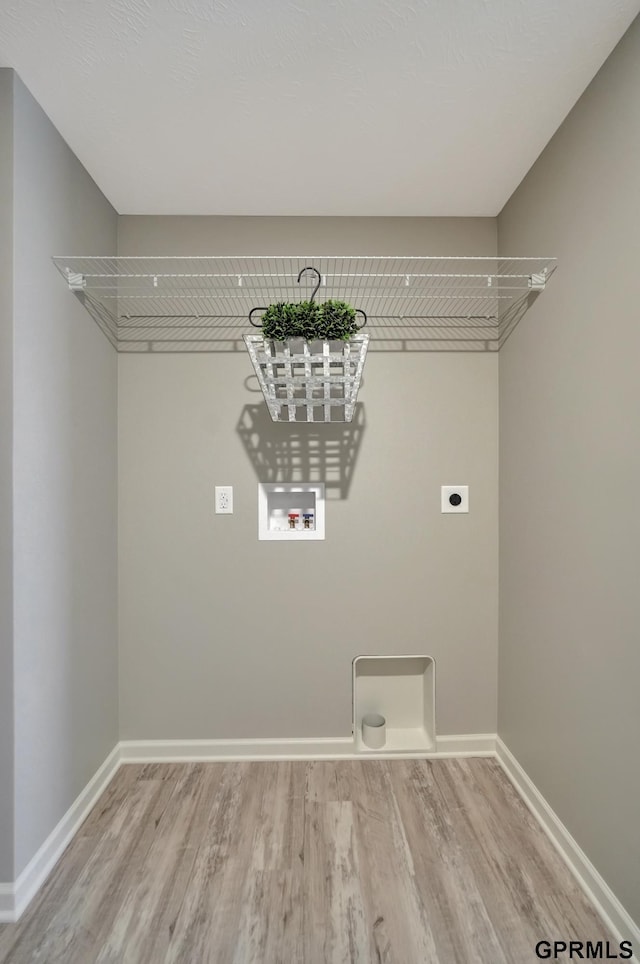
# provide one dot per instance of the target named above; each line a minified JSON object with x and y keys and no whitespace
{"x":570,"y":475}
{"x":65,"y":508}
{"x":223,"y":636}
{"x":6,"y":473}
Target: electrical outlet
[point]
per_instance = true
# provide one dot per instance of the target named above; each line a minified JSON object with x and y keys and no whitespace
{"x":224,"y":499}
{"x":454,"y":498}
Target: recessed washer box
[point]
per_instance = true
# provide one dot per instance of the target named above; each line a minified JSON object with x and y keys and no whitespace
{"x":293,"y":512}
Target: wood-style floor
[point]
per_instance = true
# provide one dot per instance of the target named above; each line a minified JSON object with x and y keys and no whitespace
{"x":409,"y":862}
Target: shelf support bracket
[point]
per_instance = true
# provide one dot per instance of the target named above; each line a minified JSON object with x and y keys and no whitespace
{"x":537,"y":282}
{"x":76,"y":282}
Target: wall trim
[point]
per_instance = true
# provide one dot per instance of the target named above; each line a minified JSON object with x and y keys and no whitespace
{"x":467,"y":744}
{"x":15,"y":898}
{"x":591,"y":881}
{"x":330,"y":748}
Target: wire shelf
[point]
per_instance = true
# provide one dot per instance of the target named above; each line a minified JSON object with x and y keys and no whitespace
{"x":178,"y":304}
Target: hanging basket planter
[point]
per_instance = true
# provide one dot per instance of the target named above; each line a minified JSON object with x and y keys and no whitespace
{"x":309,"y":358}
{"x":309,"y":381}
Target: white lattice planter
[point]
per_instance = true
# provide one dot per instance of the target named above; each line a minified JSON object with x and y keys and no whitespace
{"x":304,"y":381}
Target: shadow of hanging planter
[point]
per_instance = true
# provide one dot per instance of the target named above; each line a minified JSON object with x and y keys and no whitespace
{"x":309,"y":358}
{"x":303,"y":453}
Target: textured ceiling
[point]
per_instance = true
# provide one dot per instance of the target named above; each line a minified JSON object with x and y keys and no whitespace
{"x":317,"y":107}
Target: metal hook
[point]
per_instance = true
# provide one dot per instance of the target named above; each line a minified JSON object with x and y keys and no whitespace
{"x":259,"y":325}
{"x":358,"y":311}
{"x":309,"y":268}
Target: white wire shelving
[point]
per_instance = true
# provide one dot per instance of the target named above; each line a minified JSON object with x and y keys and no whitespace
{"x":201,"y":304}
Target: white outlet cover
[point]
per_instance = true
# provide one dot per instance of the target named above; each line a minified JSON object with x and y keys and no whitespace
{"x":447,"y":491}
{"x":224,"y":499}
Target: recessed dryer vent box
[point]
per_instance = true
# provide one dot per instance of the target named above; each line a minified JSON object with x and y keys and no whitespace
{"x":293,"y":512}
{"x":402,"y":690}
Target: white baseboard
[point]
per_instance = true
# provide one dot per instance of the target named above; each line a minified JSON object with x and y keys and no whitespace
{"x":593,"y":884}
{"x":220,"y":751}
{"x":333,"y":748}
{"x":14,"y":898}
{"x":467,"y":744}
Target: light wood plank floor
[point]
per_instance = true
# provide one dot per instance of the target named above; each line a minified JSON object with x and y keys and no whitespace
{"x":407,"y":861}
